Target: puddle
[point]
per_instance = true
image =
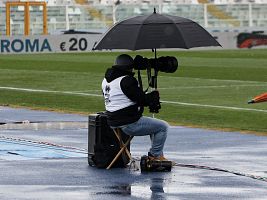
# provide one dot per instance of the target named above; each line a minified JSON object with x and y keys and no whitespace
{"x":13,"y":148}
{"x":23,"y":150}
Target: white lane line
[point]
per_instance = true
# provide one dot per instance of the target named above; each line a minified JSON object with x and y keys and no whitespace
{"x":5,"y":120}
{"x":50,"y":91}
{"x":167,"y":102}
{"x":82,"y":91}
{"x":213,"y":106}
{"x":210,"y":86}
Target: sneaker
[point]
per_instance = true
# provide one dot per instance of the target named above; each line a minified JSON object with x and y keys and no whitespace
{"x":159,"y":158}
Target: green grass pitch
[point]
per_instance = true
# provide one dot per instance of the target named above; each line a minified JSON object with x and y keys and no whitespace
{"x":210,"y":89}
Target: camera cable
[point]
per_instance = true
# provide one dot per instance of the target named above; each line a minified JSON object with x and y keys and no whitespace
{"x":53,"y":146}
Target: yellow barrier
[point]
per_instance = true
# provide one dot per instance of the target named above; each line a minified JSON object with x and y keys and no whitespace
{"x":218,"y":13}
{"x":26,"y":15}
{"x":95,"y":13}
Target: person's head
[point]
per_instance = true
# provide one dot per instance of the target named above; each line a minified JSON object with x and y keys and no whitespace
{"x":124,"y":62}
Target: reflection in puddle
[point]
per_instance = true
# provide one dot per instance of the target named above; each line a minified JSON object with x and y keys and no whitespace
{"x":123,"y":190}
{"x":152,"y":191}
{"x":157,"y":185}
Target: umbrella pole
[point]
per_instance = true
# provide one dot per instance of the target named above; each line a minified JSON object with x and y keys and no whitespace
{"x":156,"y":71}
{"x":154,"y":78}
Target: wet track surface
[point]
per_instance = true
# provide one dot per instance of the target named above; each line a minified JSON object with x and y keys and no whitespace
{"x":48,"y":161}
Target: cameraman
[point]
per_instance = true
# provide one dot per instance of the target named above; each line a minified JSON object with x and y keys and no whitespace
{"x":125,"y":101}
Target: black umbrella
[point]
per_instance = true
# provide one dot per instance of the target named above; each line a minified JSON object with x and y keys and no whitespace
{"x":155,"y":31}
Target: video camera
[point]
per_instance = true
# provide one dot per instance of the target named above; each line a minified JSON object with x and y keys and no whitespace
{"x":168,"y":64}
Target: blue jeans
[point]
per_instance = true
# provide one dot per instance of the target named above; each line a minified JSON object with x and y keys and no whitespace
{"x":157,"y":129}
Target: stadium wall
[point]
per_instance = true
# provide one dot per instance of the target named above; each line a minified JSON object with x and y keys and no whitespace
{"x":48,"y":44}
{"x":82,"y":43}
{"x":227,"y":40}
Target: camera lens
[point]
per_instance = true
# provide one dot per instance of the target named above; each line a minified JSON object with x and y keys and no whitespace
{"x":168,"y":64}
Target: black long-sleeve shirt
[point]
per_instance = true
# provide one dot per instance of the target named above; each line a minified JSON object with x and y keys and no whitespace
{"x":129,"y":86}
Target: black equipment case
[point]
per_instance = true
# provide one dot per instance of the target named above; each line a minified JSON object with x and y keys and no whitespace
{"x":103,"y":145}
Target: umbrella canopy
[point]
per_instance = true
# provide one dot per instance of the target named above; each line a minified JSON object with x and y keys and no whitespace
{"x":155,"y":31}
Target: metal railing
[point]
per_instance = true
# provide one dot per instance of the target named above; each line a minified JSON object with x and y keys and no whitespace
{"x":88,"y":18}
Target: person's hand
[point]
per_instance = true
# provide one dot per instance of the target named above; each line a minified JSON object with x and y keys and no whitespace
{"x":154,"y":105}
{"x":155,"y":95}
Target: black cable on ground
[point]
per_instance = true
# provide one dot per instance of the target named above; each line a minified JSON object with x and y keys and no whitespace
{"x":260,"y":178}
{"x":49,"y":145}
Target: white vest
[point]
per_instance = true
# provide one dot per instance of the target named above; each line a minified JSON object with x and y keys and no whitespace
{"x":115,"y":99}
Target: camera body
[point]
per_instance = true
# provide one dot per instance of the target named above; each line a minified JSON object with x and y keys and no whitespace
{"x":167,"y":64}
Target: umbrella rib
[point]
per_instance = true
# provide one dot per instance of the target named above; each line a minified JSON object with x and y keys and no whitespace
{"x":179,"y":29}
{"x":137,"y":37}
{"x":138,"y":32}
{"x":182,"y":36}
{"x":154,"y":23}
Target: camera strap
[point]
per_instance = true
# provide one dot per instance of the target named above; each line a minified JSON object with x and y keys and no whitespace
{"x":149,"y":77}
{"x":155,"y":80}
{"x":141,"y":108}
{"x":140,"y":80}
